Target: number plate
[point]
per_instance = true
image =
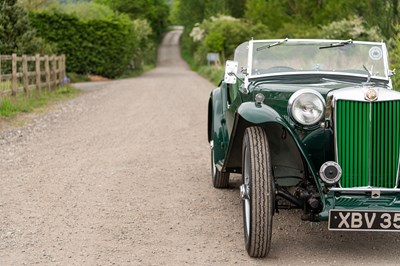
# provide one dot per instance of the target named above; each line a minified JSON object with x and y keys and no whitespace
{"x":364,"y":220}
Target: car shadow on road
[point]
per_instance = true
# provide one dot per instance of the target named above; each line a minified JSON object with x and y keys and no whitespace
{"x":312,"y":242}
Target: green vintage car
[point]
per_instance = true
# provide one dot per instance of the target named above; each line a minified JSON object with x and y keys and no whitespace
{"x":313,"y":125}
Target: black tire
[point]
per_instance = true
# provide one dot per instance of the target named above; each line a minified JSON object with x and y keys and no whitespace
{"x":219,"y":179}
{"x":257,"y":192}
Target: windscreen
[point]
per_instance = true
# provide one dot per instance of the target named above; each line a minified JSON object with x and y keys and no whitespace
{"x":336,"y":57}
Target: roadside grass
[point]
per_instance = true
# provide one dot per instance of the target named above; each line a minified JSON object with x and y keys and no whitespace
{"x":129,"y":73}
{"x":75,"y":78}
{"x":212,"y":73}
{"x":5,"y":86}
{"x":12,"y":106}
{"x":132,"y":73}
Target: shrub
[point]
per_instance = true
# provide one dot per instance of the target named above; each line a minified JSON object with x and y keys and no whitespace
{"x":353,"y":28}
{"x":222,"y":35}
{"x":99,"y":46}
{"x":87,"y":11}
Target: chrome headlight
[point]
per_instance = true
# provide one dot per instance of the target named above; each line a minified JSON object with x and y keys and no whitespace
{"x":306,"y":107}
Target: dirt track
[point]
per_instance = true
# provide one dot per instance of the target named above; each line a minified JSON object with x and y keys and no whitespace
{"x":120,"y":176}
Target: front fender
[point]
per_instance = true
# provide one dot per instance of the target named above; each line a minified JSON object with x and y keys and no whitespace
{"x":248,"y":114}
{"x":258,"y":113}
{"x":285,"y":143}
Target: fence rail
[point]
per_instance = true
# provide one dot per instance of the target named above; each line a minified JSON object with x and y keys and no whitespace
{"x":27,"y":73}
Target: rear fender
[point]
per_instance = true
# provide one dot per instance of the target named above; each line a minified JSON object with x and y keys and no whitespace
{"x":217,"y":132}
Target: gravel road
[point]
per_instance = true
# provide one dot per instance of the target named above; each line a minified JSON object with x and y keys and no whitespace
{"x":120,"y":176}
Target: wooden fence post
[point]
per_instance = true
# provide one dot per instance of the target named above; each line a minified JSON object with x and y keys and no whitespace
{"x":25,"y":74}
{"x":0,"y":73}
{"x":58,"y":60}
{"x":37,"y":73}
{"x":14,"y":81}
{"x":47,"y":71}
{"x":63,"y":67}
{"x":60,"y":69}
{"x":54,"y":72}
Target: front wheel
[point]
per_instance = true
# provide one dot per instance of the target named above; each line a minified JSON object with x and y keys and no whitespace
{"x":257,"y":192}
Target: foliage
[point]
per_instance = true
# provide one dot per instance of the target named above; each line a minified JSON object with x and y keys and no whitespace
{"x":395,"y":59}
{"x":156,"y":12}
{"x":353,"y":28}
{"x":182,"y":10}
{"x":236,"y":8}
{"x":275,"y":13}
{"x":104,"y":47}
{"x":145,"y":51}
{"x":74,"y":77}
{"x":290,"y":30}
{"x":87,"y":11}
{"x":37,"y":4}
{"x":222,"y":34}
{"x":371,"y":20}
{"x":16,"y":33}
{"x":185,"y":15}
{"x":259,"y":11}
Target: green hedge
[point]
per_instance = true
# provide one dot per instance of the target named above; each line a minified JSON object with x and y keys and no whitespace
{"x":103,"y":47}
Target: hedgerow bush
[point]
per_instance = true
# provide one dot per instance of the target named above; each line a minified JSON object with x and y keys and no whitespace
{"x":222,"y":35}
{"x":86,"y":10}
{"x":352,"y":28}
{"x":105,"y":46}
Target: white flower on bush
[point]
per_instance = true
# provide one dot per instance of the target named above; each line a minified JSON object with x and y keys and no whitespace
{"x":224,"y":17}
{"x":354,"y":27}
{"x":197,"y":33}
{"x":200,"y":29}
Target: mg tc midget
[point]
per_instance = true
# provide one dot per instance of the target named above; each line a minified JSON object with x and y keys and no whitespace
{"x":309,"y":124}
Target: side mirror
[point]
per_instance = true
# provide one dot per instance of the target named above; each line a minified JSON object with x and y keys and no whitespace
{"x":231,"y":68}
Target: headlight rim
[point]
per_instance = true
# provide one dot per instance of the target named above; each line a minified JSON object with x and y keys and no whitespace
{"x":295,"y":96}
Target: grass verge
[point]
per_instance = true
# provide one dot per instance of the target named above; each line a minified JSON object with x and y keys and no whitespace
{"x":12,"y":106}
{"x":213,"y":73}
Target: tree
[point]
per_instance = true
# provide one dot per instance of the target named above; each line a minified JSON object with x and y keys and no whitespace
{"x":16,"y":33}
{"x":236,"y":7}
{"x":272,"y":13}
{"x":185,"y":14}
{"x":277,"y":14}
{"x":155,"y":11}
{"x":205,"y":9}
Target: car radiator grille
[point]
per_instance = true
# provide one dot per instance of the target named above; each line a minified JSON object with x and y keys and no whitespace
{"x":368,"y":143}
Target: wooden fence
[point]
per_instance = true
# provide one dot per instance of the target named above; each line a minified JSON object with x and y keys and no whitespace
{"x":27,"y":73}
